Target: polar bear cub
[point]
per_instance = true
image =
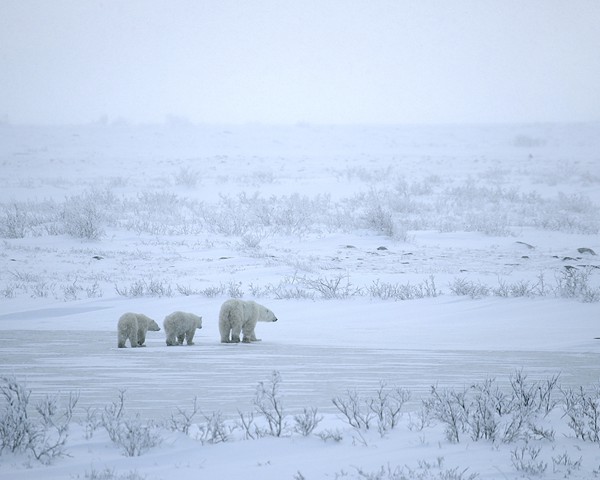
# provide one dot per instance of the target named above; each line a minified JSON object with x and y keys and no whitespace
{"x":133,"y":327}
{"x":239,"y":316}
{"x":180,"y":326}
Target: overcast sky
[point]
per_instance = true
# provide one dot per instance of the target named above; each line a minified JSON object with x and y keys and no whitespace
{"x":316,"y":61}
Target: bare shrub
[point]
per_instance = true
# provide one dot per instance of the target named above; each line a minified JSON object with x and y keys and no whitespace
{"x":143,"y":288}
{"x":493,"y":225}
{"x":524,"y":459}
{"x":462,"y":286}
{"x":449,"y":408}
{"x":52,"y":428}
{"x":290,"y":287}
{"x":564,"y":464}
{"x":582,"y":408}
{"x":407,"y":291}
{"x":252,"y":240}
{"x":228,"y":217}
{"x":15,"y":221}
{"x":338,"y":286}
{"x":212,"y":429}
{"x":268,"y":403}
{"x":16,"y":429}
{"x":83,"y":215}
{"x":268,"y":417}
{"x":187,"y":177}
{"x":186,"y":290}
{"x":129,"y":432}
{"x":575,"y":283}
{"x":355,"y":410}
{"x":307,"y":421}
{"x":213,"y":291}
{"x":423,"y":471}
{"x":380,"y":220}
{"x":527,"y":141}
{"x":181,"y":420}
{"x":45,"y":435}
{"x":387,"y":405}
{"x":521,"y":288}
{"x":486,"y":412}
{"x":91,"y":422}
{"x":109,"y":474}
{"x":533,"y":396}
{"x":234,"y":289}
{"x":9,"y":290}
{"x":248,"y":425}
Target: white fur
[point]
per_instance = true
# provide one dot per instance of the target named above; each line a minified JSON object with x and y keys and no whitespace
{"x":239,"y":316}
{"x":180,"y":326}
{"x":133,"y":327}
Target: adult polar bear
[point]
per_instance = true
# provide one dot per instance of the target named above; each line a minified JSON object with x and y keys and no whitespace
{"x":239,"y":316}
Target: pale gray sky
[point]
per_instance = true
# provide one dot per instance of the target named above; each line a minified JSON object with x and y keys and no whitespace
{"x":320,"y":61}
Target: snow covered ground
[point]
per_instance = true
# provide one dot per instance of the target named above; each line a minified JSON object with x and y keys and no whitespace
{"x":418,"y":257}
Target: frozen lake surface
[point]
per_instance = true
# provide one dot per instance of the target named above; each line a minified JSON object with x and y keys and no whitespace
{"x":158,"y":379}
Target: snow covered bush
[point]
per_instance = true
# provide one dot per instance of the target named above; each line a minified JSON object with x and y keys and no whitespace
{"x":213,"y":429}
{"x":210,"y":429}
{"x":307,"y":421}
{"x":484,"y":411}
{"x":582,"y":408}
{"x":110,"y":474}
{"x":146,"y":288}
{"x":44,"y":435}
{"x":182,"y":420}
{"x":269,"y":418}
{"x":524,"y":459}
{"x":187,"y":177}
{"x":338,"y":286}
{"x":575,"y":283}
{"x":565,"y":465}
{"x":384,"y":408}
{"x":16,"y":429}
{"x":14,"y":221}
{"x":129,"y":432}
{"x":269,"y":404}
{"x":423,"y":471}
{"x":83,"y":216}
{"x":407,"y":291}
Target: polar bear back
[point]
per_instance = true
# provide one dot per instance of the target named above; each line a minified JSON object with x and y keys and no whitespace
{"x":179,"y":323}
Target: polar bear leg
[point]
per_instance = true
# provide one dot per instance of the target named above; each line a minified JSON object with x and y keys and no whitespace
{"x":253,"y":337}
{"x":236,"y":330}
{"x":121,"y":340}
{"x":133,"y":337}
{"x":180,"y":339}
{"x":225,"y":335}
{"x":248,"y":330}
{"x":224,"y":329}
{"x":171,"y":340}
{"x":189,"y":335}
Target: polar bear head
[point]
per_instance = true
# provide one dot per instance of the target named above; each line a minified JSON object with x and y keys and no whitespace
{"x":147,"y":323}
{"x":153,"y":326}
{"x":266,"y":315}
